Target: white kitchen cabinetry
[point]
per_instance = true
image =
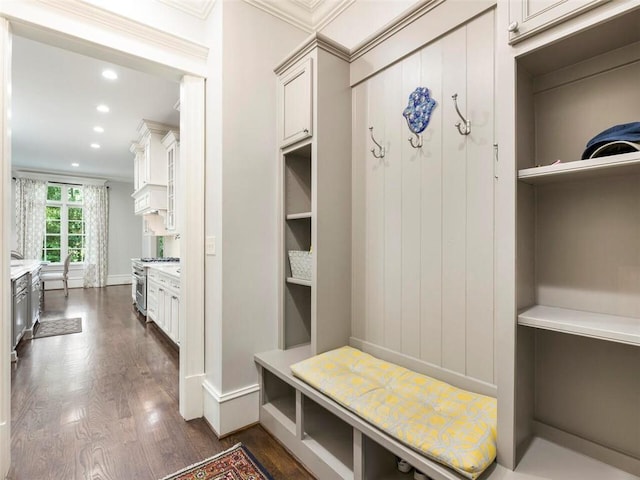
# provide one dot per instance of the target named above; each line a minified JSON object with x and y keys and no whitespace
{"x":150,"y":168}
{"x":576,"y":320}
{"x":295,"y":88}
{"x":528,"y":17}
{"x":163,"y":300}
{"x":172,"y":145}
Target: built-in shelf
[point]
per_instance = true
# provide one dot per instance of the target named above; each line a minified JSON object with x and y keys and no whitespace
{"x":298,"y":216}
{"x":624,"y":164}
{"x":587,"y":324}
{"x":299,"y":281}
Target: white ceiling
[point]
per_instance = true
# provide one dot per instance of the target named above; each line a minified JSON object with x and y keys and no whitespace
{"x":55,"y":94}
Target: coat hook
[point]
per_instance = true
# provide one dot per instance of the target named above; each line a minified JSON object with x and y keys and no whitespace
{"x":380,"y":147}
{"x":466,"y":129}
{"x":418,"y":143}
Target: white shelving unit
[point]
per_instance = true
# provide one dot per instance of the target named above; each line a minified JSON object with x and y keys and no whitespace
{"x":612,"y":328}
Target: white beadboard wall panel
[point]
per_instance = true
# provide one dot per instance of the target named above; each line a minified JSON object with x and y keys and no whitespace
{"x":393,"y":220}
{"x":360,"y":141}
{"x":374,"y":312}
{"x":454,"y":204}
{"x":431,"y":212}
{"x":480,"y":180}
{"x":411,"y":219}
{"x":424,"y":217}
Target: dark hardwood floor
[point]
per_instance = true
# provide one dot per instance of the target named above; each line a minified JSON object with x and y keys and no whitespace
{"x":103,"y":404}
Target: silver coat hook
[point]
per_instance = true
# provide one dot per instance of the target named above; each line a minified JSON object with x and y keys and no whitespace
{"x":466,"y":129}
{"x":418,"y":143}
{"x":380,"y":147}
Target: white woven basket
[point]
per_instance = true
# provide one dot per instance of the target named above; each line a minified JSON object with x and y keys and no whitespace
{"x":300,"y":262}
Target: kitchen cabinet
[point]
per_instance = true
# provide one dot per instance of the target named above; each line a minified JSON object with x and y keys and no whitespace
{"x":295,"y":88}
{"x":528,"y":17}
{"x":163,"y":300}
{"x":150,"y":168}
{"x":171,"y":143}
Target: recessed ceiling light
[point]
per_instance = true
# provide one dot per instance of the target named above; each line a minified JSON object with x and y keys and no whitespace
{"x":95,"y":145}
{"x":102,"y":108}
{"x":75,"y":164}
{"x":109,"y":74}
{"x":98,"y":129}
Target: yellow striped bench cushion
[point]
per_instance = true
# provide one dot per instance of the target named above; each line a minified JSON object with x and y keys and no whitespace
{"x":444,"y":423}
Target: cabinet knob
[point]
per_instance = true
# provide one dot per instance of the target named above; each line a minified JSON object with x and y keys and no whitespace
{"x":513,"y":27}
{"x":306,"y":130}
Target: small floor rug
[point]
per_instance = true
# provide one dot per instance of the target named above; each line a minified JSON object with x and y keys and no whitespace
{"x":60,"y":326}
{"x":237,"y":463}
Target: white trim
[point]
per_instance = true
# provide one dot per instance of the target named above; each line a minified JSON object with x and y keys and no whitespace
{"x":199,"y":9}
{"x":191,"y":223}
{"x":119,"y":279}
{"x":110,"y":35}
{"x":307,"y":16}
{"x":231,"y":411}
{"x":58,"y":178}
{"x":88,"y":13}
{"x":6,"y":220}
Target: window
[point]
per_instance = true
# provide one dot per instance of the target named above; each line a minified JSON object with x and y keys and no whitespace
{"x":64,"y":227}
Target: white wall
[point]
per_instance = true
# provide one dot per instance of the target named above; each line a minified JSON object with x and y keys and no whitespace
{"x":241,"y":171}
{"x":125,"y":233}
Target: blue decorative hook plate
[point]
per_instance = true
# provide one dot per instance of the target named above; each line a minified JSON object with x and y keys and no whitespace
{"x":418,"y":111}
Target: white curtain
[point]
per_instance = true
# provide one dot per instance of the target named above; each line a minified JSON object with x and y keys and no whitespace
{"x":96,"y":221}
{"x":31,"y":200}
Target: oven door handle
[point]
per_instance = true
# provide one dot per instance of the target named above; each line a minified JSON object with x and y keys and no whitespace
{"x":139,"y":277}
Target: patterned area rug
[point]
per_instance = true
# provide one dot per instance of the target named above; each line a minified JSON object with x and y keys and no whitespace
{"x":60,"y":326}
{"x":237,"y":463}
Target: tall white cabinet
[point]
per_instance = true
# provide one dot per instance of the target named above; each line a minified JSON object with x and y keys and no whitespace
{"x":572,"y":327}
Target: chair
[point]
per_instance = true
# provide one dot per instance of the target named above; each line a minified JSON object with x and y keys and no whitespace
{"x":63,"y":276}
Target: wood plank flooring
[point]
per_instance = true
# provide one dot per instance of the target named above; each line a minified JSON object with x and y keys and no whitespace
{"x":103,"y":404}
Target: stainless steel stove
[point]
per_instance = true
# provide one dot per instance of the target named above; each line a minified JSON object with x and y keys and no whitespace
{"x":139,"y":272}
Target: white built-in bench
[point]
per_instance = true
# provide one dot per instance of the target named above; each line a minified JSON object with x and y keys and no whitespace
{"x":328,"y":438}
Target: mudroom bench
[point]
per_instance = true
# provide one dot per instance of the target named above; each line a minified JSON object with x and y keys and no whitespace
{"x":328,"y":438}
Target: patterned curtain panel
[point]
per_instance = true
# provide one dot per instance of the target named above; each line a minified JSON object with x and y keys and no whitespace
{"x":31,"y":200}
{"x":96,"y":218}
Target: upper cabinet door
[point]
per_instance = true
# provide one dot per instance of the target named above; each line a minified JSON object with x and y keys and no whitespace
{"x":295,"y":90}
{"x":528,"y":17}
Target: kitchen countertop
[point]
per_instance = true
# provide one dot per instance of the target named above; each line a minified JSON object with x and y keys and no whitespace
{"x":20,"y":267}
{"x":171,"y":269}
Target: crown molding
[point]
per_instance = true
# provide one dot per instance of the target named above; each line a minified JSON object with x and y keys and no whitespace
{"x":196,"y":8}
{"x":106,"y":20}
{"x":307,"y":15}
{"x":314,"y":40}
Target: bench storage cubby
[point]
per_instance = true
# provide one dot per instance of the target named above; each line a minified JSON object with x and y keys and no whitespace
{"x":328,"y":438}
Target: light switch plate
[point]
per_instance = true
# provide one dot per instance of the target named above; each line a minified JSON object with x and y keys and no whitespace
{"x":210,"y":246}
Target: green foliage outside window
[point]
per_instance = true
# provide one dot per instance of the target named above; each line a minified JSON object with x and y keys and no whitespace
{"x":64,"y":227}
{"x":54,"y":192}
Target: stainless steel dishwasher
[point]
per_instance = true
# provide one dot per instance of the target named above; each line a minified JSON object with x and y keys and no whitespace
{"x":20,"y":310}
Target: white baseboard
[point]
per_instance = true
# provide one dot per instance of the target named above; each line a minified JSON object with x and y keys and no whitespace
{"x":232,"y":411}
{"x":79,"y":282}
{"x":191,"y":394}
{"x":122,"y":279}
